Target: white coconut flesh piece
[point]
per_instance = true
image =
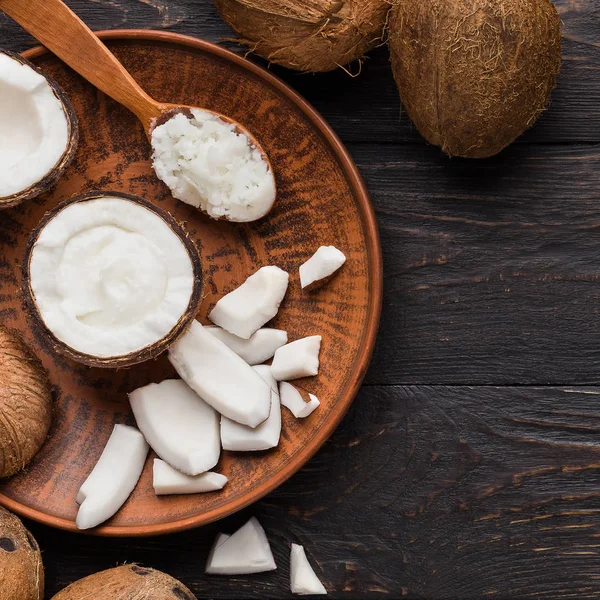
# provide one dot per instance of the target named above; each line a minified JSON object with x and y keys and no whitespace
{"x":246,"y":309}
{"x":303,"y":579}
{"x":300,"y":403}
{"x":246,"y":551}
{"x":258,"y":348}
{"x":110,"y":277}
{"x":113,"y":478}
{"x":297,"y":359}
{"x":321,"y":267}
{"x":34,"y":127}
{"x":166,"y":480}
{"x":179,"y":426}
{"x":207,"y":163}
{"x":220,"y":377}
{"x":239,"y":438}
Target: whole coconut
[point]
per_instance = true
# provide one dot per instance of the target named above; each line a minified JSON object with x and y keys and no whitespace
{"x":473,"y":75}
{"x":307,"y":35}
{"x":21,"y":568}
{"x":128,"y":581}
{"x":25,"y":404}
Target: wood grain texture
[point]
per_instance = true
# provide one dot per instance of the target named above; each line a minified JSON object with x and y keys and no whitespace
{"x":428,"y":492}
{"x":491,"y":269}
{"x":436,"y":492}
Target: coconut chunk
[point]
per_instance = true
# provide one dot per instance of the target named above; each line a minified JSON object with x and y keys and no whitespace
{"x":250,"y":306}
{"x":300,"y":403}
{"x":246,"y":551}
{"x":297,"y":359}
{"x":240,"y":438}
{"x":321,"y":267}
{"x":220,"y":377}
{"x":115,"y":475}
{"x":167,"y":480}
{"x":38,"y":127}
{"x":209,"y":164}
{"x":179,"y":426}
{"x":258,"y":348}
{"x":303,"y":579}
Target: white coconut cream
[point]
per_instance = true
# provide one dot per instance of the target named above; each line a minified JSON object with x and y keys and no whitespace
{"x":34,"y":130}
{"x":207,"y":163}
{"x":109,"y":276}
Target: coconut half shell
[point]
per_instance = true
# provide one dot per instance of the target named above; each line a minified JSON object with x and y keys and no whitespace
{"x":148,"y":352}
{"x":307,"y":35}
{"x":21,"y":567}
{"x":50,"y":179}
{"x":473,"y":75}
{"x":25,"y":404}
{"x":128,"y":581}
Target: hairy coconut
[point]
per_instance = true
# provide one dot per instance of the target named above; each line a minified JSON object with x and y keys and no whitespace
{"x":21,"y":567}
{"x":128,"y":581}
{"x":307,"y":35}
{"x":473,"y":75}
{"x":25,"y":403}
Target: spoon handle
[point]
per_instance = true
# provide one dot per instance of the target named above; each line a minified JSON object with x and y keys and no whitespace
{"x":58,"y":28}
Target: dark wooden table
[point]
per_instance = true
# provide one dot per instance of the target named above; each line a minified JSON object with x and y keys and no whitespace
{"x":469,"y":465}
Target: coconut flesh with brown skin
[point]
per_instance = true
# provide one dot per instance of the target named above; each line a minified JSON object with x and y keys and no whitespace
{"x":25,"y":404}
{"x":39,"y":128}
{"x":21,"y":567}
{"x":112,"y":279}
{"x":473,"y":75}
{"x":128,"y":581}
{"x":307,"y":35}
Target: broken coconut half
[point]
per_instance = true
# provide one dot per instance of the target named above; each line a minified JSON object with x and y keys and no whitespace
{"x":39,"y":131}
{"x":245,"y":310}
{"x":166,"y":480}
{"x":179,"y":426}
{"x":220,"y":377}
{"x":244,"y":552}
{"x":113,"y":478}
{"x":111,"y":278}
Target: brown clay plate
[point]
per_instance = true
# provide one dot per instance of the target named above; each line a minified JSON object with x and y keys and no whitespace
{"x":321,"y":200}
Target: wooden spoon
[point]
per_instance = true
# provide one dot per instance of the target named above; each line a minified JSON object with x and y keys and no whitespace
{"x":58,"y":28}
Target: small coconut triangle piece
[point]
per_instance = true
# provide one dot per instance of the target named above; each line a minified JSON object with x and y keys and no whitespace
{"x":303,"y":580}
{"x":246,"y":551}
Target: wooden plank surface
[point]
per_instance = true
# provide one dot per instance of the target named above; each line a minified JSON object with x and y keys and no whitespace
{"x":469,"y":466}
{"x":429,"y":492}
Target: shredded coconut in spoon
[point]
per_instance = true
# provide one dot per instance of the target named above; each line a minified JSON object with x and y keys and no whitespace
{"x":208,"y":164}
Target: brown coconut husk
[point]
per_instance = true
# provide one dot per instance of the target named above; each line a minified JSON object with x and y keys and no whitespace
{"x":25,"y":403}
{"x":307,"y":35}
{"x":128,"y":581}
{"x":21,"y":567}
{"x":473,"y":75}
